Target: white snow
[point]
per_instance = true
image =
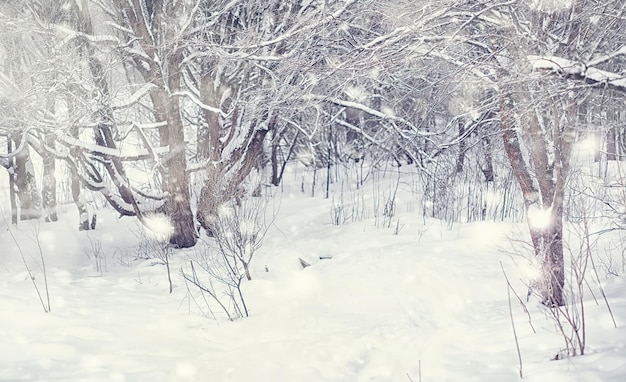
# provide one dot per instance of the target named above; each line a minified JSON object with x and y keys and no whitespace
{"x":427,"y":303}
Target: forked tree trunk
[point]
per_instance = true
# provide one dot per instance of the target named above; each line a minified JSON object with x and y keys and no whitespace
{"x":545,"y":200}
{"x":154,"y":28}
{"x":224,"y":175}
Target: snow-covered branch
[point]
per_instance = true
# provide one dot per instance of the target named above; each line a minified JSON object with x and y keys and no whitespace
{"x":199,"y":103}
{"x":72,"y":34}
{"x":135,"y":97}
{"x":580,"y":71}
{"x":298,"y":29}
{"x":368,"y":110}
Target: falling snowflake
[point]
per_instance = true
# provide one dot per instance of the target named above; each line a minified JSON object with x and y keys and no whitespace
{"x":159,"y":227}
{"x":539,"y":218}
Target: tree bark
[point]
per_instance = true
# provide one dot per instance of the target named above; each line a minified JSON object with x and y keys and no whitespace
{"x":153,"y":26}
{"x":25,"y":181}
{"x":547,"y":199}
{"x":176,"y":182}
{"x":12,"y":187}
{"x":77,"y":192}
{"x":611,"y":144}
{"x":49,"y":183}
{"x":460,"y":161}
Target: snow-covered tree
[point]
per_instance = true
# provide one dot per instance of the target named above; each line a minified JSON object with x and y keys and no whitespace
{"x":510,"y":44}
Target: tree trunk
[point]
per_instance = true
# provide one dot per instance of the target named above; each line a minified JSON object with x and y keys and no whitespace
{"x":487,"y":170}
{"x":548,"y":244}
{"x":154,"y":27}
{"x":176,"y":182}
{"x":77,"y":192}
{"x":276,"y":138}
{"x":12,"y":190}
{"x":224,"y":178}
{"x":545,"y":201}
{"x":27,"y":190}
{"x":460,"y":161}
{"x":49,"y":183}
{"x":79,"y":200}
{"x":611,"y":144}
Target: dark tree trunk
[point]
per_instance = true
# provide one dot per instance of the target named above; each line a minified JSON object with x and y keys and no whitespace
{"x":611,"y":144}
{"x":460,"y":161}
{"x":276,"y":139}
{"x":276,"y":181}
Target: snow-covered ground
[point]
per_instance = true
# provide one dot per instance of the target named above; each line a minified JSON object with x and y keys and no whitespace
{"x":426,"y":304}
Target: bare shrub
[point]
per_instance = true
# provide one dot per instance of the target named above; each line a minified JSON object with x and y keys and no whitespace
{"x":39,"y":261}
{"x":219,"y":270}
{"x":95,"y":253}
{"x":153,"y":242}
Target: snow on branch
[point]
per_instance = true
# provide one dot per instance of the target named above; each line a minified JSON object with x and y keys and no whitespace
{"x":607,"y":57}
{"x":297,"y":29}
{"x":373,"y":112}
{"x":103,"y":151}
{"x":135,"y":97}
{"x":581,"y":71}
{"x":72,"y":34}
{"x":199,"y":103}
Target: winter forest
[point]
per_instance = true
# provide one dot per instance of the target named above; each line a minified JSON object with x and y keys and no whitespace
{"x":313,"y":190}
